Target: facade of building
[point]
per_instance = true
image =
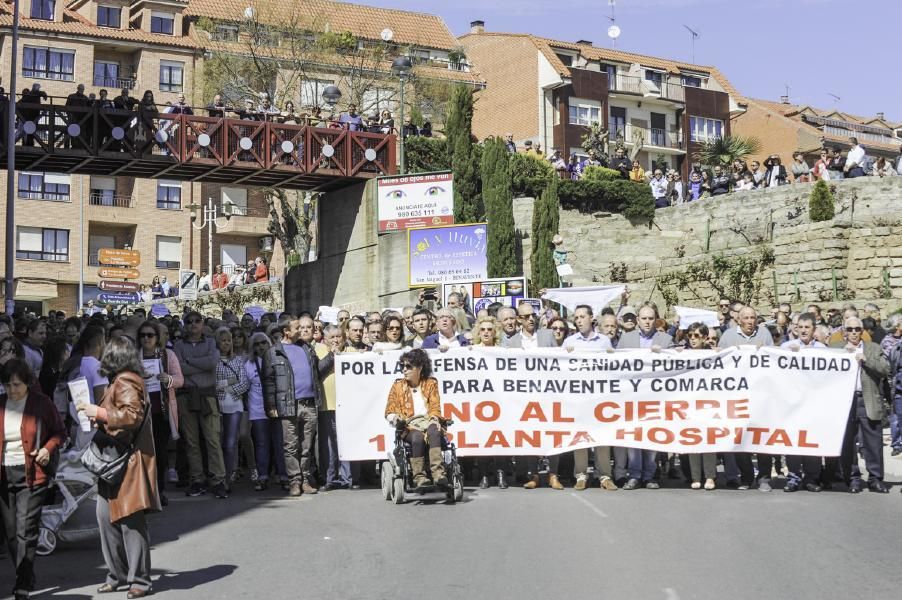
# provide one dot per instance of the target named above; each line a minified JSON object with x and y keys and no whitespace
{"x":785,"y":128}
{"x":161,"y":45}
{"x":549,"y":92}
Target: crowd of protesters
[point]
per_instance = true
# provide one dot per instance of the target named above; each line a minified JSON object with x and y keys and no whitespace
{"x":243,"y":399}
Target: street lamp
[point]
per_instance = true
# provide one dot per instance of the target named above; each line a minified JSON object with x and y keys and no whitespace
{"x":209,"y":217}
{"x":331,"y":96}
{"x":401,"y":67}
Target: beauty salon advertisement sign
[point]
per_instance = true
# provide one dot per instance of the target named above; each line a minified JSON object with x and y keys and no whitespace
{"x":446,"y":254}
{"x":421,"y":200}
{"x":549,"y":401}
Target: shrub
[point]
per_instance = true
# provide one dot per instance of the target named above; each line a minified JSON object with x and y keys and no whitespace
{"x":633,"y":200}
{"x":820,"y":203}
{"x":594,"y":173}
{"x":529,"y":174}
{"x":425,"y":154}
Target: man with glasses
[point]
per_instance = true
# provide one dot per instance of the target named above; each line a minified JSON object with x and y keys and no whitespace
{"x":811,"y":465}
{"x":293,"y":392}
{"x":723,"y":311}
{"x":529,"y":336}
{"x":198,"y":408}
{"x":866,"y":415}
{"x":446,"y":336}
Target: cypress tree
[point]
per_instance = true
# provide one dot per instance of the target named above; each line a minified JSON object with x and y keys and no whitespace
{"x":464,"y":164}
{"x":821,"y":205}
{"x":545,"y":223}
{"x":501,"y":243}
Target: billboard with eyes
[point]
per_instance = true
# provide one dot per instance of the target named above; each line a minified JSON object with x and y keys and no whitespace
{"x":410,"y":201}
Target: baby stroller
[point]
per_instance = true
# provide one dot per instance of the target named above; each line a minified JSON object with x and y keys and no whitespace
{"x":74,"y":518}
{"x":397,"y":475}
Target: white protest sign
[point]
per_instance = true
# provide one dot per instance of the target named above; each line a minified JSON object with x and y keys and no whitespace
{"x":548,"y":401}
{"x":597,"y":297}
{"x":78,"y":389}
{"x":329,"y":314}
{"x":688,"y":316}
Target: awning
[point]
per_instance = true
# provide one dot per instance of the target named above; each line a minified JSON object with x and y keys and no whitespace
{"x":35,"y":290}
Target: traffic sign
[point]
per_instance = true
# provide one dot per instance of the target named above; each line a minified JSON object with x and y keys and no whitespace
{"x":118,"y":298}
{"x":117,"y":273}
{"x":119,"y":286}
{"x":187,"y":284}
{"x":119,"y":257}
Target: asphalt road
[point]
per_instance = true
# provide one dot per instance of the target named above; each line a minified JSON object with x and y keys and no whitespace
{"x":664,"y":544}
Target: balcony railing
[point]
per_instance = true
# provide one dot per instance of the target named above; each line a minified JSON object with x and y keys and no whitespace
{"x":863,"y":136}
{"x":239,"y":210}
{"x":105,"y":198}
{"x":857,"y":127}
{"x":115,"y":83}
{"x":659,"y":138}
{"x":41,"y":195}
{"x":629,"y":84}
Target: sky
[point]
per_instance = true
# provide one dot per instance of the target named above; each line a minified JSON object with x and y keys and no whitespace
{"x":819,"y":48}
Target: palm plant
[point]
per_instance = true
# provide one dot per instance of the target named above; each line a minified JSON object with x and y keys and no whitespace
{"x":723,"y":151}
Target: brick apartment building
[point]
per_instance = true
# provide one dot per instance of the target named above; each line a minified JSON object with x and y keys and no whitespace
{"x":550,"y":91}
{"x":63,"y":220}
{"x":785,"y":128}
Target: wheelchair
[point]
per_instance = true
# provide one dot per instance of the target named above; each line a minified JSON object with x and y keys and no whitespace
{"x":397,"y":475}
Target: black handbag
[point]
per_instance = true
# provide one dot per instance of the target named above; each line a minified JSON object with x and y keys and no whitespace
{"x":108,"y":459}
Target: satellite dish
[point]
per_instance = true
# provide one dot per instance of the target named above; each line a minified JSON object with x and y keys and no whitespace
{"x":250,"y":13}
{"x":387,"y":34}
{"x":613,"y":32}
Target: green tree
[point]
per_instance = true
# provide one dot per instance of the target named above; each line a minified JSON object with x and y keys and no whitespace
{"x":723,"y":151}
{"x":464,"y":161}
{"x":821,"y":204}
{"x":545,"y":222}
{"x":501,"y":246}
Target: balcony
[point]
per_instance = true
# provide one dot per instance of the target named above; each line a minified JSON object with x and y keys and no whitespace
{"x":863,"y":136}
{"x":115,"y":83}
{"x":651,"y":137}
{"x":107,"y":198}
{"x":628,"y":84}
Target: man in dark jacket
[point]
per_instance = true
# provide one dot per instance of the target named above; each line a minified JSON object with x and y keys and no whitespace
{"x":293,"y":392}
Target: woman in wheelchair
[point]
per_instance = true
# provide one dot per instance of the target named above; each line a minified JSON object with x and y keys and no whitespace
{"x":414,"y":407}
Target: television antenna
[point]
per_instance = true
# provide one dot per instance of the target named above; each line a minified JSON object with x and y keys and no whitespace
{"x":614,"y":30}
{"x":836,"y":98}
{"x":694,"y":35}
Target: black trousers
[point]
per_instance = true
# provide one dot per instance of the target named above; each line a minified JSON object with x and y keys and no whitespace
{"x":871,"y":434}
{"x":20,"y":510}
{"x":161,"y":433}
{"x":806,"y":469}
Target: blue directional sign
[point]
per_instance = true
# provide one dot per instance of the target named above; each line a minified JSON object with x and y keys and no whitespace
{"x":118,"y":298}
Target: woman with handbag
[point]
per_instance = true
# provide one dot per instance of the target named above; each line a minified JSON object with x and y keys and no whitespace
{"x":124,"y":496}
{"x":31,"y":431}
{"x":163,"y":377}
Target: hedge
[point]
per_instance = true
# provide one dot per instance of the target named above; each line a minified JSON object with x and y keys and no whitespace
{"x":633,"y":200}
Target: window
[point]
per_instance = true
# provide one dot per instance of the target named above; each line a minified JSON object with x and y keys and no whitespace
{"x":109,"y":16}
{"x":691,"y":81}
{"x":611,"y":70}
{"x":106,"y":74}
{"x":312,"y":91}
{"x":169,"y":252}
{"x":171,"y":76}
{"x":376,"y":100}
{"x":48,"y":63}
{"x":704,"y":130}
{"x":231,"y":256}
{"x":42,"y":9}
{"x":584,"y":112}
{"x":617,"y":124}
{"x":226,"y":33}
{"x":655,"y":77}
{"x":36,"y":243}
{"x":103,"y":191}
{"x":169,"y":194}
{"x":236,"y":198}
{"x":161,"y":22}
{"x":566,"y":59}
{"x":44,"y":186}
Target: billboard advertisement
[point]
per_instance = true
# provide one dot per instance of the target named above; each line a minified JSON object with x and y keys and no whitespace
{"x":479,"y":294}
{"x":409,"y":201}
{"x":446,"y":254}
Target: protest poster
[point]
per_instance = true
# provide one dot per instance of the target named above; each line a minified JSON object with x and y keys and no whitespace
{"x":480,"y":294}
{"x":446,"y":254}
{"x":420,"y":200}
{"x":549,"y":401}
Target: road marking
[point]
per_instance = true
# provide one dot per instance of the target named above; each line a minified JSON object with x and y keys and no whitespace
{"x":671,"y":594}
{"x":591,"y":506}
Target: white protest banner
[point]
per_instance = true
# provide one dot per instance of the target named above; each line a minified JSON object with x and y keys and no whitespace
{"x":329,"y":314}
{"x":688,"y":316}
{"x":548,"y":401}
{"x":597,"y":297}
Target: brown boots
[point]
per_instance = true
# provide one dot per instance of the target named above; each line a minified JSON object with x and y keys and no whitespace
{"x":437,"y":466}
{"x":418,"y":466}
{"x":553,"y":482}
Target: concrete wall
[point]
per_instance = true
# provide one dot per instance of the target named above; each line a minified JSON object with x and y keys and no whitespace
{"x":862,"y":240}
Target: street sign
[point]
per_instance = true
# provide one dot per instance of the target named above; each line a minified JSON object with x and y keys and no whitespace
{"x":119,"y":286}
{"x":117,"y":273}
{"x":117,"y":257}
{"x":187,"y":284}
{"x":117,"y":298}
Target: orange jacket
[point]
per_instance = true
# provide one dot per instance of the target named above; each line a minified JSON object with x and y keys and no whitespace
{"x":400,"y":399}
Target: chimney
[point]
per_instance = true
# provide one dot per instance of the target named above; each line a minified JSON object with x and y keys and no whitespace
{"x":583,"y":42}
{"x":477,"y":27}
{"x":784,"y":99}
{"x":881,"y":116}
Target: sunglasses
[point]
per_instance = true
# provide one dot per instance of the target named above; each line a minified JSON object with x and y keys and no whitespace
{"x":260,"y":344}
{"x":407,"y":367}
{"x":147,"y":335}
{"x":193,"y":321}
{"x":488,"y":329}
{"x":855,"y":329}
{"x":558,"y":329}
{"x":695,"y":336}
{"x":394,"y":328}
